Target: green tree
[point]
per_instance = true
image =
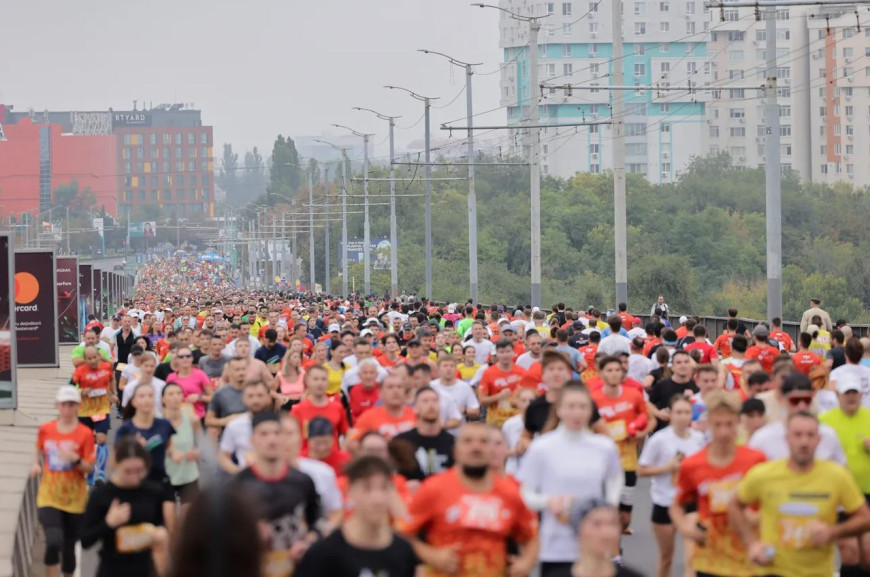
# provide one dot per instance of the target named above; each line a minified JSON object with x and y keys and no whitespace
{"x":228,"y":177}
{"x":285,"y":171}
{"x":80,"y":203}
{"x":254,"y":182}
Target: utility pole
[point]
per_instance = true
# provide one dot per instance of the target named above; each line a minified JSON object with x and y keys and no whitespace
{"x":618,"y":115}
{"x":344,"y":272}
{"x":310,"y":229}
{"x":394,"y":227}
{"x":472,"y":194}
{"x":535,"y":161}
{"x":326,"y":247}
{"x":772,"y":173}
{"x":366,"y":224}
{"x":427,"y":105}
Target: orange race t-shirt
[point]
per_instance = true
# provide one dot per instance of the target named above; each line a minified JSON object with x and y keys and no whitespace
{"x":708,"y":352}
{"x":627,"y":321}
{"x":650,"y":343}
{"x":388,"y":425}
{"x":479,"y":524}
{"x":362,"y":399}
{"x":806,"y":360}
{"x":765,"y":354}
{"x":533,"y":378}
{"x":495,"y":380}
{"x":588,"y":353}
{"x":63,"y":486}
{"x":333,"y":411}
{"x":782,"y":338}
{"x":712,"y":488}
{"x":618,"y":412}
{"x":97,"y":401}
{"x":723,"y":344}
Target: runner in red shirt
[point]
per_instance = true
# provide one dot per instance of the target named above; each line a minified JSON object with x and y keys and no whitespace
{"x":498,"y":383}
{"x":364,"y":395}
{"x":780,"y":335}
{"x":317,"y":404}
{"x":390,"y":357}
{"x":708,"y":352}
{"x":708,"y":480}
{"x":624,"y":411}
{"x":723,"y":343}
{"x":804,"y":360}
{"x":390,"y":418}
{"x":762,"y":350}
{"x":627,"y":319}
{"x":460,"y":521}
{"x":589,"y":351}
{"x":320,"y":446}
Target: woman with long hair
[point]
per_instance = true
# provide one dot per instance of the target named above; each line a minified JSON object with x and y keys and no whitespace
{"x":662,"y":372}
{"x":154,"y":433}
{"x":182,"y":460}
{"x":660,"y":459}
{"x":128,"y":516}
{"x":289,"y":383}
{"x":551,"y":481}
{"x":391,"y":356}
{"x":318,"y":357}
{"x":145,"y":375}
{"x":193,"y":381}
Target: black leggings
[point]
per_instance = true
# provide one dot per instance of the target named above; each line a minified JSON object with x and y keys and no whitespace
{"x":554,"y":569}
{"x":61,"y":534}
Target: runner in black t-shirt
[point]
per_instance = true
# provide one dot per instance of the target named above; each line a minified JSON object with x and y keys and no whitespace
{"x":661,"y":393}
{"x":287,"y":497}
{"x":365,"y":544}
{"x":433,"y":446}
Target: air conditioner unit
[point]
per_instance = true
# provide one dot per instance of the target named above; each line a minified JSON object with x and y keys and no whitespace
{"x":848,"y":98}
{"x":594,"y":115}
{"x":594,"y":34}
{"x":665,"y":175}
{"x":850,"y":137}
{"x":851,"y":79}
{"x":666,"y":156}
{"x":786,"y":80}
{"x":815,"y":56}
{"x":847,"y":60}
{"x":594,"y":156}
{"x":742,"y":121}
{"x":849,"y":119}
{"x":851,"y":176}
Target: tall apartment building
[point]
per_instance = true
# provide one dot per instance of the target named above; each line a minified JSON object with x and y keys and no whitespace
{"x":823,"y":86}
{"x":665,"y":44}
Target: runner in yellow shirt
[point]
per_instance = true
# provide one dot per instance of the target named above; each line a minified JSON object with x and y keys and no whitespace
{"x":798,"y":499}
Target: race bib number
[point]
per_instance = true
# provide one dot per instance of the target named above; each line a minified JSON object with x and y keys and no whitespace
{"x":120,"y":366}
{"x":721,"y":493}
{"x":279,"y":564}
{"x":134,"y":538}
{"x":795,"y":532}
{"x":98,"y":393}
{"x":617,"y":430}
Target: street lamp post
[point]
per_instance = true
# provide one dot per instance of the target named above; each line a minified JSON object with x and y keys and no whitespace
{"x":394,"y":261}
{"x":426,"y":100}
{"x":343,"y":151}
{"x":472,"y":193}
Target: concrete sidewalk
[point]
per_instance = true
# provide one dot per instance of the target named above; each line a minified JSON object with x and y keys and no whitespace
{"x":36,"y":390}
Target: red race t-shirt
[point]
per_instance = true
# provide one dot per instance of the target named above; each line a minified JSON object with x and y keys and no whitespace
{"x":333,"y":411}
{"x":362,"y":399}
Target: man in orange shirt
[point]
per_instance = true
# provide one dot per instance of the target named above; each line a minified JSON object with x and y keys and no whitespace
{"x":589,"y":351}
{"x":723,"y":342}
{"x":708,"y":479}
{"x":468,"y":516}
{"x":804,"y":360}
{"x":390,"y":418}
{"x":627,"y":319}
{"x":96,"y":381}
{"x":762,"y":350}
{"x":780,"y":335}
{"x":498,"y":384}
{"x":624,"y":411}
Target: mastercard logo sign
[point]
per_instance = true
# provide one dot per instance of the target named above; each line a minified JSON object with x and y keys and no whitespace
{"x":26,"y":288}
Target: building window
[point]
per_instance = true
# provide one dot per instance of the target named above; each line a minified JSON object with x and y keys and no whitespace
{"x":191,"y":138}
{"x":566,"y":53}
{"x":640,"y":28}
{"x":191,"y":166}
{"x":567,"y":69}
{"x":595,"y":168}
{"x":204,"y":165}
{"x":206,"y":180}
{"x":634,"y":149}
{"x":639,"y":69}
{"x":785,"y":130}
{"x":690,"y":7}
{"x":567,"y":29}
{"x":593,"y":29}
{"x":637,"y":168}
{"x":737,"y":113}
{"x":141,"y":196}
{"x":665,"y":127}
{"x":666,"y":167}
{"x":127,"y":139}
{"x":125,"y":153}
{"x":203,"y":138}
{"x":664,"y":26}
{"x":665,"y":108}
{"x":140,"y":153}
{"x":566,"y":8}
{"x":639,"y":49}
{"x":178,"y":138}
{"x":551,"y":7}
{"x":551,"y":70}
{"x":179,"y":167}
{"x":635,"y":128}
{"x":738,"y":131}
{"x":593,"y":7}
{"x":639,"y":8}
{"x":664,"y":7}
{"x":737,"y":93}
{"x":824,"y":169}
{"x":714,"y":131}
{"x":152,"y":154}
{"x":736,"y":36}
{"x":152,"y":139}
{"x":128,"y":168}
{"x":177,"y":152}
{"x":167,"y":139}
{"x":191,"y":152}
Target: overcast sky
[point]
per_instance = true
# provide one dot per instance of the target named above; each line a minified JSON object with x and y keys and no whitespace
{"x":255,"y":68}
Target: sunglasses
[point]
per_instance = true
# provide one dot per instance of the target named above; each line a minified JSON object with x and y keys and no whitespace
{"x":185,"y":356}
{"x":795,"y":401}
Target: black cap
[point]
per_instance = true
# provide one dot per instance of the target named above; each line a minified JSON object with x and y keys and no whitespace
{"x":319,"y":427}
{"x":578,"y":325}
{"x":136,"y":350}
{"x":407,"y":327}
{"x":752,"y":406}
{"x":264,"y":417}
{"x":414,"y":343}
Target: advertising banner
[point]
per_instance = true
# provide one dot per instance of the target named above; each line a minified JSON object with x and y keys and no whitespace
{"x":147,"y":229}
{"x":86,"y":295}
{"x":68,"y":301}
{"x":8,"y":359}
{"x":98,"y":295}
{"x":379,"y":252}
{"x":36,"y":308}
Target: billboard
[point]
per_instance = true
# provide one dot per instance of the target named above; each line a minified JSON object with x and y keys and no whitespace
{"x":68,"y":331}
{"x":86,"y":295}
{"x":379,"y":252}
{"x":98,"y":295}
{"x":8,"y":359}
{"x":36,"y":308}
{"x":126,"y":119}
{"x":147,"y":229}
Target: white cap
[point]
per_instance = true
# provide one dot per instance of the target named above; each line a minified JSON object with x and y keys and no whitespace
{"x":683,"y":319}
{"x":334,"y":328}
{"x":536,"y":309}
{"x":68,"y":394}
{"x":847,"y":383}
{"x":371,"y":320}
{"x":366,"y":333}
{"x":503,"y":320}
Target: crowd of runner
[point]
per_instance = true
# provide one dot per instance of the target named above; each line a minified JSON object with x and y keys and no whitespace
{"x":276,"y":435}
